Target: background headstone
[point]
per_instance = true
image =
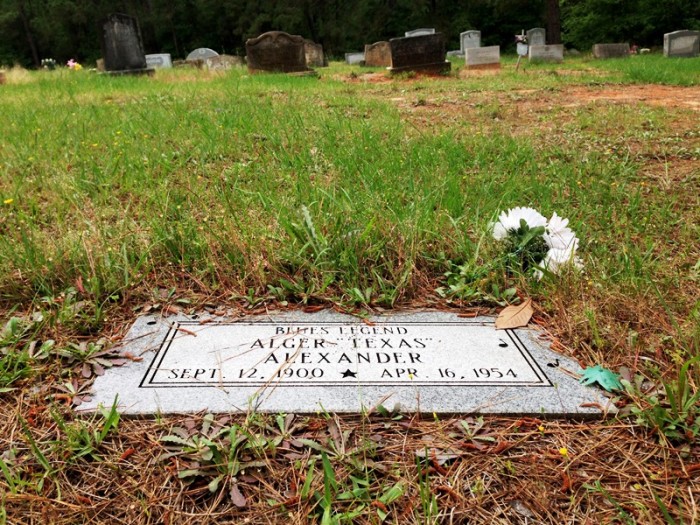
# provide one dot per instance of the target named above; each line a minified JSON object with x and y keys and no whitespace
{"x":419,"y":53}
{"x":550,"y":53}
{"x":314,"y":54}
{"x":100,"y":65}
{"x":159,"y":60}
{"x":611,"y":50}
{"x":223,"y":62}
{"x":537,"y":36}
{"x":276,"y":51}
{"x":420,"y":32}
{"x":682,"y":44}
{"x":2,"y":77}
{"x":354,"y":58}
{"x":469,"y":39}
{"x":201,"y":53}
{"x":122,"y":47}
{"x":378,"y":54}
{"x":483,"y":57}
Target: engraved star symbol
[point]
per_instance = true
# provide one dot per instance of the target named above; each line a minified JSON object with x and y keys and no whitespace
{"x":348,"y":373}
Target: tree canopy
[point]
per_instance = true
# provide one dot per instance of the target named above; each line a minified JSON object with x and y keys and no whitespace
{"x":61,"y":29}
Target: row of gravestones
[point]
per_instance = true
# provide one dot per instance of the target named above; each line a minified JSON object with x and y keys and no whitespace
{"x":420,"y":49}
{"x":392,"y":53}
{"x":122,"y":49}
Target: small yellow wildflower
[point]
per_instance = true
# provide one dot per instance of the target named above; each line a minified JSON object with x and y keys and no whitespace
{"x":541,"y":428}
{"x":8,"y":201}
{"x":564,"y":452}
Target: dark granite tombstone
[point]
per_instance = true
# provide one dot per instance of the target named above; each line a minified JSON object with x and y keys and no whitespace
{"x":378,"y":54}
{"x":425,"y":53}
{"x":276,"y":51}
{"x":122,"y":47}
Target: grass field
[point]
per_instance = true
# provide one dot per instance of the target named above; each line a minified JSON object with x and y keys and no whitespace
{"x":197,"y":190}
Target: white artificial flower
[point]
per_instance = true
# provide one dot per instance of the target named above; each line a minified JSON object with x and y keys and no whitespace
{"x":559,"y":236}
{"x":556,"y":259}
{"x":510,"y":220}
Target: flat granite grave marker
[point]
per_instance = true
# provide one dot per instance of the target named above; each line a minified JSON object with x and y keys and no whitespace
{"x":537,"y":36}
{"x":303,"y":363}
{"x":488,"y":57}
{"x":424,"y":53}
{"x":550,"y":53}
{"x":122,"y":46}
{"x":159,"y":60}
{"x":378,"y":54}
{"x":611,"y":50}
{"x":276,"y":51}
{"x":223,"y":62}
{"x":684,"y":44}
{"x":354,"y":58}
{"x":420,"y":32}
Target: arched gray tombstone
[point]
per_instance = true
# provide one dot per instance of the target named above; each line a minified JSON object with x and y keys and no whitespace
{"x":201,"y":53}
{"x":469,"y":39}
{"x":537,"y":36}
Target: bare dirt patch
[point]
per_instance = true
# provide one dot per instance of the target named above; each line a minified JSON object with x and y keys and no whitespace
{"x":653,"y":95}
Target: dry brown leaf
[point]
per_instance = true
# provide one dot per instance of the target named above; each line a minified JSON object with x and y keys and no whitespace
{"x":237,"y":496}
{"x":515,"y":316}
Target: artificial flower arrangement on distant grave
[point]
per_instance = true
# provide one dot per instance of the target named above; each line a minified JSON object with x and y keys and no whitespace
{"x":72,"y":64}
{"x":521,"y":44}
{"x":48,"y":63}
{"x":535,"y":244}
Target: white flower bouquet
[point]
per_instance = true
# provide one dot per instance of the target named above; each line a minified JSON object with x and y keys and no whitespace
{"x":536,"y":244}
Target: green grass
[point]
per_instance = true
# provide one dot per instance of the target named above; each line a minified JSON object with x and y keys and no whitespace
{"x":656,"y":69}
{"x":244,"y":181}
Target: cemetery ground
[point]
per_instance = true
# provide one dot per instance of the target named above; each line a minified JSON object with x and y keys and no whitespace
{"x":239,"y":194}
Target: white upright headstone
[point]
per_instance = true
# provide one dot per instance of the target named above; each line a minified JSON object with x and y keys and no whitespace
{"x":354,"y":58}
{"x":551,"y":53}
{"x":483,"y":57}
{"x":537,"y":36}
{"x":469,"y":39}
{"x":682,"y":44}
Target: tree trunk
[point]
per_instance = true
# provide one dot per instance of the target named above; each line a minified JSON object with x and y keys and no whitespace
{"x":553,"y":22}
{"x":28,"y":33}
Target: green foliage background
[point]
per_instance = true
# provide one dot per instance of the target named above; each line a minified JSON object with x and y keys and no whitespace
{"x":61,"y":29}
